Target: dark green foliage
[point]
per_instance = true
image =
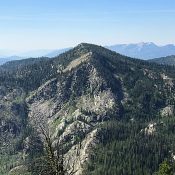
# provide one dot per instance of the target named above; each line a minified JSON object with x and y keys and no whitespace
{"x":18,"y":64}
{"x":140,"y":94}
{"x":165,"y":168}
{"x":125,"y":149}
{"x":169,"y":60}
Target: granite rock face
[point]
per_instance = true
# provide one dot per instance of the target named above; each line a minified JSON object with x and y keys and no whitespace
{"x":73,"y":95}
{"x":73,"y":106}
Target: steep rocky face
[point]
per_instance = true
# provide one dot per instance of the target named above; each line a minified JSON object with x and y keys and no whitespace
{"x":75,"y":94}
{"x":87,"y":91}
{"x":73,"y":105}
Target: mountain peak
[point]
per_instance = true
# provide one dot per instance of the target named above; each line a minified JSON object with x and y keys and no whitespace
{"x":144,"y":50}
{"x":141,"y":44}
{"x":85,"y":98}
{"x":86,"y":46}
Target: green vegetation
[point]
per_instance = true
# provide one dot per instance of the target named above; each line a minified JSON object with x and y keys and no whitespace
{"x":126,"y":149}
{"x":141,"y":90}
{"x":165,"y":168}
{"x":169,"y":60}
{"x":9,"y":161}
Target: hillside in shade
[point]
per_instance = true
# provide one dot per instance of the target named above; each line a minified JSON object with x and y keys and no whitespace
{"x":169,"y":60}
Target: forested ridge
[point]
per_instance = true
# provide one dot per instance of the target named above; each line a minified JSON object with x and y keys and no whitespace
{"x":128,"y":104}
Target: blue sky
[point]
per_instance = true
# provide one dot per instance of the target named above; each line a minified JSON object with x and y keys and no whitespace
{"x":52,"y":24}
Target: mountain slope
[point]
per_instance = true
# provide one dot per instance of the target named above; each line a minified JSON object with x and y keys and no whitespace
{"x":55,"y":53}
{"x":144,"y":50}
{"x":169,"y":60}
{"x":19,"y":64}
{"x":6,"y":59}
{"x":105,"y":110}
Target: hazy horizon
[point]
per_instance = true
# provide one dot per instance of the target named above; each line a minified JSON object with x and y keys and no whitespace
{"x":20,"y":51}
{"x":53,"y":24}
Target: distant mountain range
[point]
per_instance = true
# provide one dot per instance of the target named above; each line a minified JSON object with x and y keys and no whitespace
{"x":31,"y":54}
{"x":55,"y":53}
{"x":43,"y":53}
{"x":110,"y":114}
{"x":11,"y":58}
{"x":144,"y":50}
{"x":6,"y":53}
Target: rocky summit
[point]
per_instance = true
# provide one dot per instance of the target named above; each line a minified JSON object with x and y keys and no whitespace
{"x":102,"y":112}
